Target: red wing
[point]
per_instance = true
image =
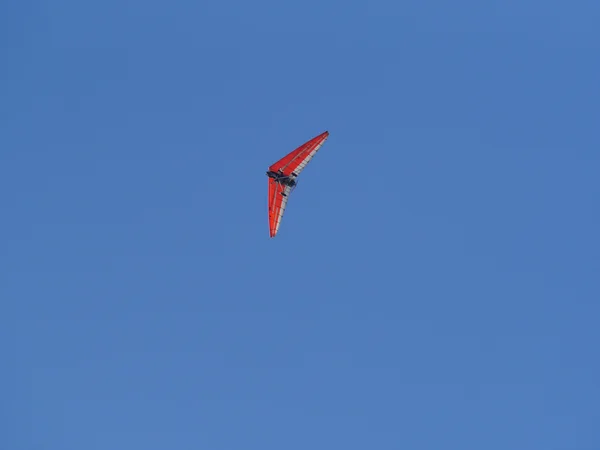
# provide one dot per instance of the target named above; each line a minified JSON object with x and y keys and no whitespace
{"x":299,"y":158}
{"x":277,"y":203}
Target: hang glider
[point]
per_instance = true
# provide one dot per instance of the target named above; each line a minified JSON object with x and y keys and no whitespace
{"x":282,"y":178}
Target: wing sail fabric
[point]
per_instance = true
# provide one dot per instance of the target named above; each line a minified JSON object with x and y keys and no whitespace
{"x":278,"y":197}
{"x":297,"y":160}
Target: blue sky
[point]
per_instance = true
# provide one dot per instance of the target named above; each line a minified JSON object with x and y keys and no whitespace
{"x":434,"y":284}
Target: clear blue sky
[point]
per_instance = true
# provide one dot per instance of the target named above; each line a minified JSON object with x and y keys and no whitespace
{"x":435,"y":282}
